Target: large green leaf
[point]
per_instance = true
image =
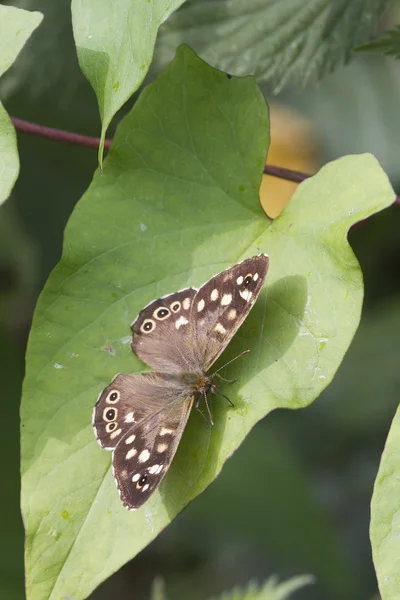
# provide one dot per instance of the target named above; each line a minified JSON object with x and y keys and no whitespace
{"x":278,"y":41}
{"x":16,"y":26}
{"x":115,"y":44}
{"x":178,"y":201}
{"x":385,"y":516}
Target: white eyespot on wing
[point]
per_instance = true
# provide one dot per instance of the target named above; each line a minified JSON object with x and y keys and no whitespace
{"x":110,"y":414}
{"x":161,"y":313}
{"x":255,"y":277}
{"x":175,"y":306}
{"x":136,"y":477}
{"x":115,"y":433}
{"x":226,"y":299}
{"x":132,"y":452}
{"x":111,"y":426}
{"x":181,"y":321}
{"x":144,"y":455}
{"x":186,"y":303}
{"x":200,"y":305}
{"x":153,"y":469}
{"x":130,"y":439}
{"x":239,"y":280}
{"x":246,"y":294}
{"x":220,"y":328}
{"x":146,"y":487}
{"x":147,"y":326}
{"x":113,"y":397}
{"x":214,"y":295}
{"x":129,"y":418}
{"x":160,"y":468}
{"x":166,"y":431}
{"x":232,"y":314}
{"x":162,"y":448}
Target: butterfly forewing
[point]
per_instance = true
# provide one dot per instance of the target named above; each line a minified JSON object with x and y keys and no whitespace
{"x":222,"y":304}
{"x":162,"y":333}
{"x":150,"y":412}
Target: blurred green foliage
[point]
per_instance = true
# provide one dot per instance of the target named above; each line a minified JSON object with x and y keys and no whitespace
{"x":331,"y":449}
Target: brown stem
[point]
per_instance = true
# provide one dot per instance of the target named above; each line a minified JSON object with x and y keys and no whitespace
{"x":288,"y":174}
{"x":93,"y":142}
{"x":296,"y":176}
{"x":57,"y":134}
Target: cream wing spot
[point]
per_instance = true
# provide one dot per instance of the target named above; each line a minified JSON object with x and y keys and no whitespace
{"x":186,"y":303}
{"x":200,"y":305}
{"x":220,"y":328}
{"x":181,"y":321}
{"x":130,"y":439}
{"x":115,"y":433}
{"x":144,"y":456}
{"x":246,"y":294}
{"x":160,"y":468}
{"x":226,"y":299}
{"x":214,"y":295}
{"x":232,"y":314}
{"x":153,"y":469}
{"x":132,"y":452}
{"x":239,"y":280}
{"x":162,"y":448}
{"x":166,"y":431}
{"x":129,"y":418}
{"x":146,"y":487}
{"x":136,"y":477}
{"x":255,"y":276}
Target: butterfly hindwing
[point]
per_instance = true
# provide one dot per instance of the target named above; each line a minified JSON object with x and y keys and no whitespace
{"x":144,"y":455}
{"x":150,"y":412}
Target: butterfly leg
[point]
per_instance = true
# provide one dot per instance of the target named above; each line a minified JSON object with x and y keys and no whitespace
{"x":216,"y":391}
{"x":208,"y":408}
{"x":197,"y":407}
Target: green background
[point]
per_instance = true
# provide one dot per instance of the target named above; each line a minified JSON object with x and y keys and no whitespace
{"x":323,"y":460}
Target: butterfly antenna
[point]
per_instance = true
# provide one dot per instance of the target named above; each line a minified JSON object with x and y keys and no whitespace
{"x":229,"y":361}
{"x":208,"y":408}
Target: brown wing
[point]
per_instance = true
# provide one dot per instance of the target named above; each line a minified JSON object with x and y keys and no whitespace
{"x":222,"y":304}
{"x":141,"y":418}
{"x":162,"y":335}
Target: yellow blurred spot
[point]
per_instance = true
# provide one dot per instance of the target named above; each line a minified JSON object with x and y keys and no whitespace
{"x":293,"y":146}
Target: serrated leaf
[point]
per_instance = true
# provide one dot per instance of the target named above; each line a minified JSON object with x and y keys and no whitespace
{"x":178,"y":201}
{"x":16,"y":26}
{"x":289,"y":40}
{"x":388,"y":43}
{"x":385,"y":516}
{"x":271,"y":590}
{"x":115,"y":45}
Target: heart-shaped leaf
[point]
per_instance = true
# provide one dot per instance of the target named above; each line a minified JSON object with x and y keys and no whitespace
{"x":385,"y":516}
{"x":16,"y":26}
{"x":115,"y":45}
{"x":178,"y":202}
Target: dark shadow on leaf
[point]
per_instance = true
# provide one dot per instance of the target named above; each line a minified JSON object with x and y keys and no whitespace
{"x":268,"y":332}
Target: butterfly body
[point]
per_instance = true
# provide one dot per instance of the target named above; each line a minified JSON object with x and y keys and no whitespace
{"x":141,"y":418}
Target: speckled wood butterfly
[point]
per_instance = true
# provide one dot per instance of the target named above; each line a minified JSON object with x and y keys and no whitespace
{"x":141,"y":418}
